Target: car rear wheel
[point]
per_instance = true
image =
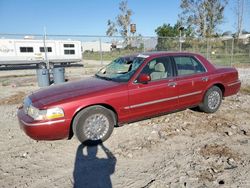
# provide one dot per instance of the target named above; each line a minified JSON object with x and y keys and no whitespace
{"x":94,"y":125}
{"x":212,"y":100}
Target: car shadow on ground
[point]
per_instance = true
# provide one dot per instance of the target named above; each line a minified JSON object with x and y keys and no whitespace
{"x":91,"y":171}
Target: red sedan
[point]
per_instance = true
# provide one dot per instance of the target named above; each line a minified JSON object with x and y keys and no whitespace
{"x":130,"y":88}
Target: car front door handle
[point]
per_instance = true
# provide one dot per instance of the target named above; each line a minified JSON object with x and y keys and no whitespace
{"x":172,"y":84}
{"x":205,"y":79}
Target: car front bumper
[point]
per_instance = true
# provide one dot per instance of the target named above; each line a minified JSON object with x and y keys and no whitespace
{"x":43,"y":130}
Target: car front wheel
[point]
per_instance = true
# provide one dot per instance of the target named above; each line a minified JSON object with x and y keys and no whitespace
{"x":94,"y":125}
{"x":212,"y":100}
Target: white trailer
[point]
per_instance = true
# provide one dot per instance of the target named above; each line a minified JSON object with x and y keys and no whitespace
{"x":32,"y":51}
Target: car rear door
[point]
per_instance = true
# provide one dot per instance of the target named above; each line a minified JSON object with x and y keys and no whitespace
{"x":156,"y":96}
{"x":191,"y":80}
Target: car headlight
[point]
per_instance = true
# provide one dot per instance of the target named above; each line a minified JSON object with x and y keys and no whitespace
{"x":26,"y":104}
{"x":51,"y":113}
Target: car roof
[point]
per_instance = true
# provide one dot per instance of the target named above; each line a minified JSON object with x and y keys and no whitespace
{"x":158,"y":53}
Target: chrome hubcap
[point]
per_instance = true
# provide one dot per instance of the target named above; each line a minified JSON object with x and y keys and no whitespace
{"x":96,"y":126}
{"x":213,"y":100}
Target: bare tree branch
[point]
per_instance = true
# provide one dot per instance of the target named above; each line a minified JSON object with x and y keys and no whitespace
{"x":203,"y":15}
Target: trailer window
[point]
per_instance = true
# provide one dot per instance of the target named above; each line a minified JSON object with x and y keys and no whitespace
{"x":26,"y":49}
{"x":49,"y":49}
{"x":69,"y":52}
{"x":69,"y":45}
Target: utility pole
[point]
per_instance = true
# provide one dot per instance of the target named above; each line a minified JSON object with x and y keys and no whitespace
{"x":45,"y":49}
{"x":101,"y":57}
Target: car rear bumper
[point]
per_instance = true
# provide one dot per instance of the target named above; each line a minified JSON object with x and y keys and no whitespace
{"x":43,"y":130}
{"x":232,"y":88}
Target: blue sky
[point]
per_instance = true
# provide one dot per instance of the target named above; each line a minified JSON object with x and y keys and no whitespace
{"x":89,"y":17}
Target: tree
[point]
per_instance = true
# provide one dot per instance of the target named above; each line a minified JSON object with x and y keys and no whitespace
{"x":123,"y":21}
{"x":166,"y":33}
{"x":111,"y":28}
{"x":227,"y":33}
{"x":245,"y":31}
{"x":239,"y":12}
{"x":203,"y":16}
{"x":166,"y":30}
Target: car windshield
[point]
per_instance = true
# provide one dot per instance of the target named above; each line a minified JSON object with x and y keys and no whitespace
{"x":121,"y":69}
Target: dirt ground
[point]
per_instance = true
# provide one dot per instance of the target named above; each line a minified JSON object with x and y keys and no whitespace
{"x":183,"y":149}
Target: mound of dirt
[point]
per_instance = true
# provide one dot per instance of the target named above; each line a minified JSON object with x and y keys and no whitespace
{"x":13,"y":99}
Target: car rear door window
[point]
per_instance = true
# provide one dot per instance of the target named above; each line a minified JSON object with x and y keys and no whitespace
{"x":188,"y":65}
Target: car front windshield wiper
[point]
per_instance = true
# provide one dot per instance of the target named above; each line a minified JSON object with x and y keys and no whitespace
{"x":103,"y":77}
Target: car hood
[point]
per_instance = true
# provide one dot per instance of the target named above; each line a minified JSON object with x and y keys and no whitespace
{"x":69,"y":90}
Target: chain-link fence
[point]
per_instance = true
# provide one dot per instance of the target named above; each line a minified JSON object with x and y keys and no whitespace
{"x":221,"y":51}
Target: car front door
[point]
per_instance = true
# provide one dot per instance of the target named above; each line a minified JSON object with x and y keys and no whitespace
{"x":157,"y":96}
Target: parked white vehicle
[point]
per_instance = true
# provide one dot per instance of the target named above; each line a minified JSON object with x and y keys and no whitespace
{"x":32,"y":51}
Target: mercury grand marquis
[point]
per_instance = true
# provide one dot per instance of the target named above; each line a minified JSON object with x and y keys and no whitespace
{"x":129,"y":89}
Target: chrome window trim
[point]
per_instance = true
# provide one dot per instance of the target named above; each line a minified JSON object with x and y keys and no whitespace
{"x":194,"y":58}
{"x":167,"y":78}
{"x":177,"y":76}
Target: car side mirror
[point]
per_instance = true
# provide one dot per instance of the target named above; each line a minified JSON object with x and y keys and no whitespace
{"x":144,"y":78}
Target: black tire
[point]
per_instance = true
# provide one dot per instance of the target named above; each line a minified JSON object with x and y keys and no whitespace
{"x":212,"y":100}
{"x":94,"y":125}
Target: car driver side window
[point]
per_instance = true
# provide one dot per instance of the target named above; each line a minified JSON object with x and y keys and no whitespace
{"x":158,"y":68}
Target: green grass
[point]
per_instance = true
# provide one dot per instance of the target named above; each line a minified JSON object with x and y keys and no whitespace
{"x":220,"y":58}
{"x":5,"y":82}
{"x":108,"y":56}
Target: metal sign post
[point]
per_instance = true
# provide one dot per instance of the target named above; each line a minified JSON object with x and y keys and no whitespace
{"x":181,"y":28}
{"x":45,"y":49}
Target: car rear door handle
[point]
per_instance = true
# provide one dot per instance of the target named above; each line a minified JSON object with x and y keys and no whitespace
{"x":205,"y":79}
{"x":172,"y":84}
